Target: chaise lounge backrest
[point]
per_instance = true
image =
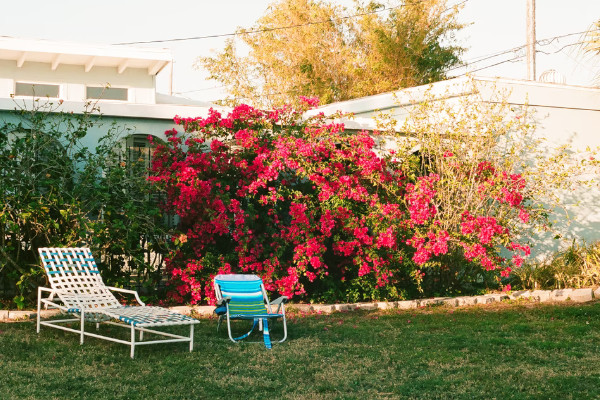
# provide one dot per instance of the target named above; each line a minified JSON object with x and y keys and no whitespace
{"x":73,"y":273}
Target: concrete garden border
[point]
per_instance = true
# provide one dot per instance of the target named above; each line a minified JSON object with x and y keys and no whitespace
{"x":542,"y":296}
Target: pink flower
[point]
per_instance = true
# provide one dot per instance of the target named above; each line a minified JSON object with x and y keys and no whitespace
{"x":524,"y":215}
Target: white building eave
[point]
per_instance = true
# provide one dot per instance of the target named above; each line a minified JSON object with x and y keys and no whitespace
{"x":89,"y":56}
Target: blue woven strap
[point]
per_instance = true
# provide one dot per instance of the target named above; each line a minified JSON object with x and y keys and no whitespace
{"x":245,"y":335}
{"x":266,"y":335}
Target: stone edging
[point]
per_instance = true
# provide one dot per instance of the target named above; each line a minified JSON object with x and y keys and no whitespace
{"x":558,"y":295}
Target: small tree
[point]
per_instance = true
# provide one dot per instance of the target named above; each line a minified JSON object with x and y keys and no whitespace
{"x":312,"y":48}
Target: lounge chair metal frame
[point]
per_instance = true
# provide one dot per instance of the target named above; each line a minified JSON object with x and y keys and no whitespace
{"x":74,"y":278}
{"x":230,"y":290}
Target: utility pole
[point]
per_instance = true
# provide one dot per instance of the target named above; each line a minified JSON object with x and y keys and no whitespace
{"x":531,"y":76}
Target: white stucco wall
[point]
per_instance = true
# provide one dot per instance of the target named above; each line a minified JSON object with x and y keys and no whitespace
{"x":147,"y":119}
{"x":73,"y":79}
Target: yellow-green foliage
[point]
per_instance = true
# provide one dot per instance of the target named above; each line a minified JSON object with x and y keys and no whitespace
{"x":320,"y":52}
{"x":576,"y":267}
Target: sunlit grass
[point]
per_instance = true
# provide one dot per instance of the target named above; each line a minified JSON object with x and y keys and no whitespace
{"x":504,"y":351}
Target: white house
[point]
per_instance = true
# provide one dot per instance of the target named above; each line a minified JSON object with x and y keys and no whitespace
{"x":122,"y":80}
{"x":563,"y":114}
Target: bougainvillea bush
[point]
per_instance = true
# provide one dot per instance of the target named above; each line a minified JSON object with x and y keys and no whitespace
{"x":319,"y":213}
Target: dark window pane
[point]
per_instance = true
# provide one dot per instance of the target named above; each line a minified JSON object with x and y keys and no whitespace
{"x":103,"y":93}
{"x":36,"y":89}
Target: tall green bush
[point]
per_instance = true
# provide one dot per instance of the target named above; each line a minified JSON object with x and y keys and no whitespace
{"x":56,"y":192}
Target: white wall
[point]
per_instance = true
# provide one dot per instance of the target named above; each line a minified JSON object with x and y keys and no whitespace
{"x":73,"y":79}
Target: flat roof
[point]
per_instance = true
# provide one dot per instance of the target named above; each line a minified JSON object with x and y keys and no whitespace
{"x":87,"y":55}
{"x":534,"y":92}
{"x":119,"y":109}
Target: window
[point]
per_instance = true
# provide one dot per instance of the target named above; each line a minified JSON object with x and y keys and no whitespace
{"x":135,"y":154}
{"x":106,"y":93}
{"x":139,"y":150}
{"x":36,"y":89}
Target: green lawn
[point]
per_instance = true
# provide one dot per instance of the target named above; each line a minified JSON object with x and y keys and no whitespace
{"x":506,"y":351}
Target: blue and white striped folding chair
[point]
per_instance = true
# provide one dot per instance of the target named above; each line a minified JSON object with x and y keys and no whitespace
{"x":243,"y":297}
{"x":74,"y":278}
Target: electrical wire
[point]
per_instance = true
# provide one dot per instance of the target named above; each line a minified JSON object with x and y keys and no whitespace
{"x":282,"y":27}
{"x":541,"y":42}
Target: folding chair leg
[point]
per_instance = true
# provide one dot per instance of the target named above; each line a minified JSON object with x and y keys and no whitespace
{"x":284,"y":330}
{"x":97,"y":326}
{"x":244,"y":336}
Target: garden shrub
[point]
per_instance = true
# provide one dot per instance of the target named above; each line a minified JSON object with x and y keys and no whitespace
{"x":321,"y":216}
{"x":57,"y":193}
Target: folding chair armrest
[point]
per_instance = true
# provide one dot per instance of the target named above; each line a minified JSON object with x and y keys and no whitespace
{"x":49,"y":301}
{"x":280,"y":303}
{"x":279,"y":300}
{"x":223,"y":301}
{"x":137,"y":296}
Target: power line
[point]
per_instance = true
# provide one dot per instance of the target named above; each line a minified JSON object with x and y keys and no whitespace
{"x":282,"y":27}
{"x":200,"y":90}
{"x":541,"y":42}
{"x":517,"y":58}
{"x":560,"y":49}
{"x":261,"y":30}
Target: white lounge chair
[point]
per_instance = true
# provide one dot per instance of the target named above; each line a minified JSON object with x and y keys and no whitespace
{"x":74,"y":278}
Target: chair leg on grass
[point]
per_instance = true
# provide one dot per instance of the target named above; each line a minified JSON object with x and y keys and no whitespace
{"x":97,"y":326}
{"x":284,"y":330}
{"x":39,"y":309}
{"x":141,"y":335}
{"x":191,"y":337}
{"x":132,"y":353}
{"x":82,"y":334}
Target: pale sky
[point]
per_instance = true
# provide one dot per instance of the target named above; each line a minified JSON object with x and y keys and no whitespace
{"x":496,"y":26}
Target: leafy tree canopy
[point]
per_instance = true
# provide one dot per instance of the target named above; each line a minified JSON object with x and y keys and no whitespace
{"x":315,"y":48}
